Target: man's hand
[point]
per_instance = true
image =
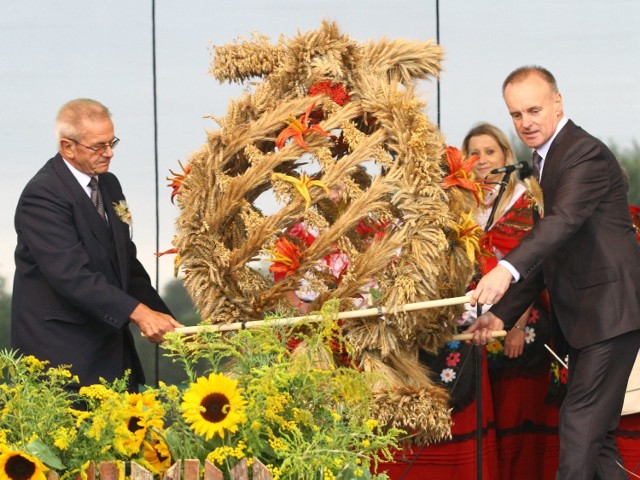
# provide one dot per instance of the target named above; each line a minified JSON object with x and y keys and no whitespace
{"x":482,"y":328}
{"x":492,"y":286}
{"x":153,"y":324}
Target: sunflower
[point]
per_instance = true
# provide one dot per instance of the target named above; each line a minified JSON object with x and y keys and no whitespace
{"x":214,"y":405}
{"x":156,"y":454}
{"x":143,"y":412}
{"x":17,"y":465}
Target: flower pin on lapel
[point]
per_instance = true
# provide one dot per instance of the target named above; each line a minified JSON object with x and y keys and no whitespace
{"x":122,"y":210}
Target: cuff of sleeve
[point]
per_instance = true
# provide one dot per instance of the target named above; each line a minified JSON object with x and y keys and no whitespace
{"x":514,"y":273}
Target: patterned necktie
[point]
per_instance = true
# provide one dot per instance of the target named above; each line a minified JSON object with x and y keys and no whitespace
{"x":96,"y":198}
{"x":536,"y":160}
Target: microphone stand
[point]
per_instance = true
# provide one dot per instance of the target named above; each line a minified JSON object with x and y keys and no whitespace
{"x":503,"y":184}
{"x":478,"y":364}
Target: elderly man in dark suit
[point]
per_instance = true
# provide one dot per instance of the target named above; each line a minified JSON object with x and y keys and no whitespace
{"x":584,"y":251}
{"x":78,"y":283}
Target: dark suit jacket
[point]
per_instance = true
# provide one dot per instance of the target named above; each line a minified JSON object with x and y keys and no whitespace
{"x":77,"y":279}
{"x":584,"y":249}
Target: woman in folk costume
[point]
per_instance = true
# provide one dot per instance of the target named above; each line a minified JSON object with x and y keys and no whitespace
{"x":454,"y":367}
{"x":526,"y":414}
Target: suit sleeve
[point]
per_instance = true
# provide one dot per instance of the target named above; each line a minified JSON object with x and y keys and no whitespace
{"x":138,"y":282}
{"x":518,"y":298}
{"x":54,"y":246}
{"x":582,"y":180}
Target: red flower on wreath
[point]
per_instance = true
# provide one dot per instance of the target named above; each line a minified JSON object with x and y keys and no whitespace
{"x":335,"y":91}
{"x":286,"y":259}
{"x":369,"y":228}
{"x":299,"y":230}
{"x":460,"y":172}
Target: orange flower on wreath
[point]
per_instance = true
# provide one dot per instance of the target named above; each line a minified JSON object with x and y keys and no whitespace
{"x":298,"y":129}
{"x":460,"y":172}
{"x":178,"y":179}
{"x":285,"y":260}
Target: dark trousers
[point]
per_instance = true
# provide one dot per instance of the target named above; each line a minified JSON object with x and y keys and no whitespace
{"x":598,"y":376}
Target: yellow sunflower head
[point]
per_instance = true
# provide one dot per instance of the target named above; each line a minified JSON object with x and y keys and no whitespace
{"x":144,"y":411}
{"x":156,"y":454}
{"x":17,"y":465}
{"x":214,"y":405}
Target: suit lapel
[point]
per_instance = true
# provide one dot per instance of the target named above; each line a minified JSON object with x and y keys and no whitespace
{"x":120,"y":233}
{"x":99,"y":228}
{"x":554,"y":156}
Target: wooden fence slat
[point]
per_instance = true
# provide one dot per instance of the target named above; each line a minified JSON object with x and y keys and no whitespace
{"x":116,"y":471}
{"x":191,"y":470}
{"x":111,"y":471}
{"x":52,"y":475}
{"x":90,"y":472}
{"x":240,"y":471}
{"x":140,"y":473}
{"x":173,"y":472}
{"x":211,"y":472}
{"x":260,"y":472}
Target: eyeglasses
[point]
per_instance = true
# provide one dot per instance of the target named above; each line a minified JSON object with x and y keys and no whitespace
{"x":100,"y":149}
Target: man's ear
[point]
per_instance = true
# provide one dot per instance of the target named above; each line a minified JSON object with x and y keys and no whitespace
{"x":65,"y":146}
{"x":557,"y":102}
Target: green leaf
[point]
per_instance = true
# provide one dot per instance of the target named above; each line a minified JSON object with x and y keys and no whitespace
{"x":43,"y":452}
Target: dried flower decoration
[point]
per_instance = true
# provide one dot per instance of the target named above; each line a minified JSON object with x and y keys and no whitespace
{"x":123,"y":212}
{"x":460,"y":172}
{"x":335,"y":91}
{"x":298,"y":128}
{"x":178,"y":179}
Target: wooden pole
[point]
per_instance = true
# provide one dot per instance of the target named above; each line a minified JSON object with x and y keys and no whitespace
{"x":368,"y":312}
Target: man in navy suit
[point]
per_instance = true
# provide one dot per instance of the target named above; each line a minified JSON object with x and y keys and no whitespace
{"x":584,"y":251}
{"x":78,"y":283}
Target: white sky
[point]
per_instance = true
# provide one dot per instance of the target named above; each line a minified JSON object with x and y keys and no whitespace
{"x":53,"y":51}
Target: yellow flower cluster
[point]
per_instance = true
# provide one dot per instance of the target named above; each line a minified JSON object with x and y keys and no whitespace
{"x":220,"y":454}
{"x":64,"y":436}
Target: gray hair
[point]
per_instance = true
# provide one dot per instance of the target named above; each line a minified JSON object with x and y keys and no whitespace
{"x":72,"y":115}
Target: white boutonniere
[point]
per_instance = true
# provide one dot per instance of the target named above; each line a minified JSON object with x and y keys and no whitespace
{"x":122,"y":210}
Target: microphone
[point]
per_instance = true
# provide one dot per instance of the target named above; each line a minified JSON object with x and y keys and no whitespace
{"x":525,"y":169}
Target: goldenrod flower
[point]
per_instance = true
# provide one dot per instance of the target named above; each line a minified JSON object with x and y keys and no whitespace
{"x":302,"y":185}
{"x":64,"y":437}
{"x":214,"y":405}
{"x":371,"y":424}
{"x":33,"y":364}
{"x":97,"y":391}
{"x":17,"y":465}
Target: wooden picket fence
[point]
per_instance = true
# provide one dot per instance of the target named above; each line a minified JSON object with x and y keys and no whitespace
{"x":181,"y":470}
